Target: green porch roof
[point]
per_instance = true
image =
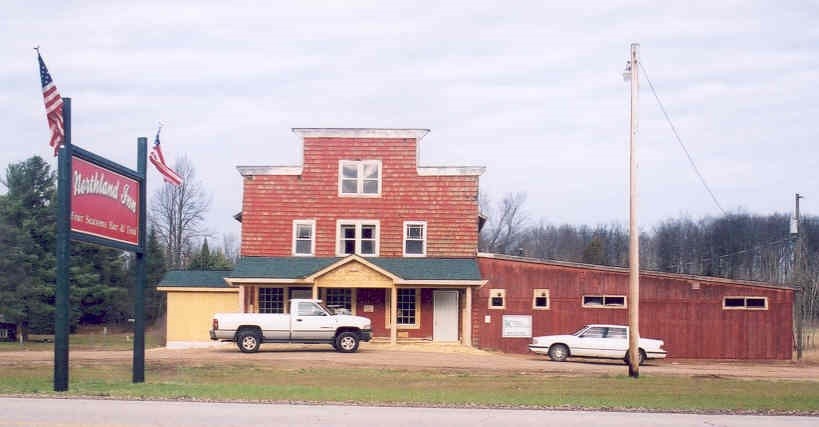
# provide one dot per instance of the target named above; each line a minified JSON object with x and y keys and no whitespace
{"x":195,"y":279}
{"x":405,"y":268}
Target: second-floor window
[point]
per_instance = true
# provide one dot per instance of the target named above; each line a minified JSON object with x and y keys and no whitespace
{"x":359,"y":177}
{"x":357,"y":237}
{"x":304,"y":237}
{"x":415,"y":238}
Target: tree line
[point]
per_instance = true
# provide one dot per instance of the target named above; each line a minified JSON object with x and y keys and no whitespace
{"x":102,"y":280}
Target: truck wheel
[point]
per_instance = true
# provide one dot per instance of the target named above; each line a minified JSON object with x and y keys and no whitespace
{"x":248,"y":341}
{"x":347,"y":342}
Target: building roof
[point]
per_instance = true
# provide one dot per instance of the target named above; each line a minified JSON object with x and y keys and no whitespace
{"x":643,"y":273}
{"x":296,"y":268}
{"x":195,"y":279}
{"x":417,"y":134}
{"x":405,"y":268}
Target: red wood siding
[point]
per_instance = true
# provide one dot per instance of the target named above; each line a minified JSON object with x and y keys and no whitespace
{"x":691,"y":321}
{"x":376,"y":298}
{"x":449,"y":204}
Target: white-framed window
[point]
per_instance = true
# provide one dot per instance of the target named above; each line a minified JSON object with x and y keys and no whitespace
{"x":407,"y":314}
{"x":540,"y":299}
{"x":357,"y":237}
{"x":359,"y":178}
{"x":340,"y":300}
{"x":497,"y":298}
{"x":745,"y":303}
{"x":415,"y":238}
{"x":271,"y":300}
{"x":304,"y":237}
{"x":604,"y":301}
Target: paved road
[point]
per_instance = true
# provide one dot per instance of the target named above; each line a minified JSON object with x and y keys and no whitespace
{"x":25,"y":412}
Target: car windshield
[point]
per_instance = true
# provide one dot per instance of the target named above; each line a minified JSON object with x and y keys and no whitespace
{"x":579,"y":331}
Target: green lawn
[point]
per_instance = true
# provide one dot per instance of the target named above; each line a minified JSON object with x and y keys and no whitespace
{"x":248,"y":382}
{"x":96,"y":340}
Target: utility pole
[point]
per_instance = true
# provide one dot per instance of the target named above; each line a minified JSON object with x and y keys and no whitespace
{"x":632,"y":74}
{"x":799,"y":310}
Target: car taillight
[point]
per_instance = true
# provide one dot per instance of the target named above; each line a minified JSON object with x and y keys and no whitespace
{"x":215,"y":324}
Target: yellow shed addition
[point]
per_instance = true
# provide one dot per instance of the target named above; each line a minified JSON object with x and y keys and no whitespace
{"x":192,"y":298}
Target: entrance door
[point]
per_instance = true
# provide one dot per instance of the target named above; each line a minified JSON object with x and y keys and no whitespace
{"x":445,"y":316}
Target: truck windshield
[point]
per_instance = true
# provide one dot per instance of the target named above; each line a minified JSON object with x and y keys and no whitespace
{"x":324,"y":307}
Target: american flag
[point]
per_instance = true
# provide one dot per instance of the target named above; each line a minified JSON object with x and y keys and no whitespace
{"x":53,"y":106}
{"x":158,"y":160}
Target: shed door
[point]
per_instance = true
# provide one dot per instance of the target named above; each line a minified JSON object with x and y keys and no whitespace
{"x":445,"y":316}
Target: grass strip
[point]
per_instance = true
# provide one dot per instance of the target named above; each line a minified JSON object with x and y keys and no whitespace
{"x":423,"y":388}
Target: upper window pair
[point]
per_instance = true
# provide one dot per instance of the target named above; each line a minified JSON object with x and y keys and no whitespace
{"x":359,"y":178}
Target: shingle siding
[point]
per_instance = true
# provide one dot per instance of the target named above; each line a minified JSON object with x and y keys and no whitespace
{"x":449,"y":204}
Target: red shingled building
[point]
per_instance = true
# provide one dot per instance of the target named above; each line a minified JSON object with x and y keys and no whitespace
{"x":360,"y":224}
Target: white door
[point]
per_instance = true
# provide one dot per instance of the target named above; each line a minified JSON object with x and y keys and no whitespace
{"x":445,"y":316}
{"x":311,"y":323}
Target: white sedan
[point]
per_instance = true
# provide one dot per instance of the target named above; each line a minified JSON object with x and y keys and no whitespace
{"x":604,"y":341}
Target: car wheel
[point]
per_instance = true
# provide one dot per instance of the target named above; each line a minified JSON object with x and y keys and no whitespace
{"x":642,"y":358}
{"x":347,"y":342}
{"x":558,"y":352}
{"x":248,"y":341}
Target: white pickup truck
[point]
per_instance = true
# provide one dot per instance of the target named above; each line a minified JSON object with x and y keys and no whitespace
{"x":308,"y":322}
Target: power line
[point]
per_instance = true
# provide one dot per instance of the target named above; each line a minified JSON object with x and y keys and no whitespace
{"x":718,"y":258}
{"x":679,"y":140}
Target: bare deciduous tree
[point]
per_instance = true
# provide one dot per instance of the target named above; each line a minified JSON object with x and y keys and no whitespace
{"x":506,"y":223}
{"x":177,"y":213}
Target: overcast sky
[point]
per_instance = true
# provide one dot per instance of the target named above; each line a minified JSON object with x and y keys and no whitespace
{"x":533,"y":92}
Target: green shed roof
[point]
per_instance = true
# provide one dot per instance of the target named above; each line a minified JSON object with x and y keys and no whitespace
{"x":195,"y":279}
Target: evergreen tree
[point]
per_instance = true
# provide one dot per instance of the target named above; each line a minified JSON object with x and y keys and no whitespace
{"x":99,"y":285}
{"x":155,"y":267}
{"x":27,"y":246}
{"x":204,"y":259}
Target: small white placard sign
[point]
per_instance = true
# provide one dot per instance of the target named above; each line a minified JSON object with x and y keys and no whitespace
{"x":517,"y":326}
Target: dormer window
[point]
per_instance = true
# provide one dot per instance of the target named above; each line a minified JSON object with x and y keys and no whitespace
{"x":359,"y":177}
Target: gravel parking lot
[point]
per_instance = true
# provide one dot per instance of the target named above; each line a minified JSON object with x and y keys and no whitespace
{"x":435,"y":356}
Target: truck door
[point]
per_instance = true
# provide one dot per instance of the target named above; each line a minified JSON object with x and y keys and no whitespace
{"x":311,"y":323}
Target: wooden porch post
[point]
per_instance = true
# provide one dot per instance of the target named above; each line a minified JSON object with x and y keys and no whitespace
{"x":393,"y":315}
{"x":315,"y":290}
{"x":241,"y":298}
{"x":467,"y":317}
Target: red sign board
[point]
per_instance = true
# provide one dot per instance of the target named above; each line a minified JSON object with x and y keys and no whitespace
{"x":104,"y":203}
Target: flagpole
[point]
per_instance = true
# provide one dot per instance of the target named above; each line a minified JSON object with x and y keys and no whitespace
{"x":61,"y":295}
